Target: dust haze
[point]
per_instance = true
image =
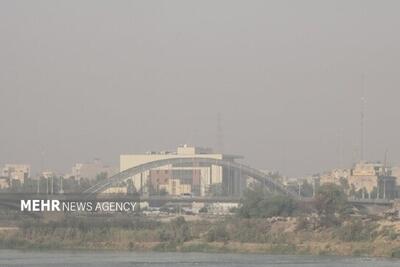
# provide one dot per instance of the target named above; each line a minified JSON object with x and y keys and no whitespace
{"x":85,"y":79}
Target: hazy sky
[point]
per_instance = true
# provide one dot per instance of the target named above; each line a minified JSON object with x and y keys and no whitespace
{"x":85,"y":79}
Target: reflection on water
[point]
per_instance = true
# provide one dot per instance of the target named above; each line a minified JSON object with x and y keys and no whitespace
{"x":105,"y":259}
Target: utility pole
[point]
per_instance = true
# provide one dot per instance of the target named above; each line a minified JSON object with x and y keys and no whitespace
{"x":299,"y":184}
{"x":384,"y":175}
{"x":384,"y":188}
{"x":313,"y":188}
{"x":61,"y":185}
{"x":220,"y":134}
{"x":141,"y":184}
{"x":42,"y":159}
{"x":385,"y":163}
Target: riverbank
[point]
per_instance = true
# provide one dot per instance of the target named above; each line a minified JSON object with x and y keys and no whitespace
{"x":294,"y":236}
{"x":155,"y":259}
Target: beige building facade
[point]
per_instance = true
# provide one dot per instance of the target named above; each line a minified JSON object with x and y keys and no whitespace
{"x":4,"y":182}
{"x":364,"y":176}
{"x":90,"y":170}
{"x":17,"y":172}
{"x":193,"y":178}
{"x":335,"y":176}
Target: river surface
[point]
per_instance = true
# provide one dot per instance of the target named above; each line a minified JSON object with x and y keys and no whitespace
{"x":122,"y":259}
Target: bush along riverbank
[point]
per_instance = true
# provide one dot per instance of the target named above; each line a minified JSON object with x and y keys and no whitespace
{"x":263,"y":224}
{"x":276,"y":235}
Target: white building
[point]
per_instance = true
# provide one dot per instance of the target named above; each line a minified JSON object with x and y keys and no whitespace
{"x":48,"y":174}
{"x":4,"y":182}
{"x":17,"y":172}
{"x":202,"y":179}
{"x":364,"y":175}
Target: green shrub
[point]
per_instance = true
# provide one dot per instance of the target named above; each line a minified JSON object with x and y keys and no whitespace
{"x":217,"y":233}
{"x":395,"y":253}
{"x":177,"y":231}
{"x":257,"y":204}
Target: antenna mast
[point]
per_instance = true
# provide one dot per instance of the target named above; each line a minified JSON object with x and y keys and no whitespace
{"x":220,"y":135}
{"x":362,"y":139}
{"x":385,"y":163}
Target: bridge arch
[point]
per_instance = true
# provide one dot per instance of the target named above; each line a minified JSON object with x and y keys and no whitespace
{"x":265,"y":179}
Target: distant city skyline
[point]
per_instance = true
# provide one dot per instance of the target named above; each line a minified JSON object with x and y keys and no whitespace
{"x":81,"y":80}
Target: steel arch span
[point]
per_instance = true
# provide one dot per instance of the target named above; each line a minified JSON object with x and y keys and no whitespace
{"x":265,"y":179}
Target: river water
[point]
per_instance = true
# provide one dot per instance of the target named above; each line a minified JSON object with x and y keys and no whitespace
{"x":122,"y":259}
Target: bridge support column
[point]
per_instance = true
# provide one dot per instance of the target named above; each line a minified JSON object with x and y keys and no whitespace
{"x":141,"y":184}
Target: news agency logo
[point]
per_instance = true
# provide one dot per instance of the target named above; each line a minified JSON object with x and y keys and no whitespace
{"x":41,"y":205}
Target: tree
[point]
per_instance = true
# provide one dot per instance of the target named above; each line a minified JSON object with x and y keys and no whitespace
{"x":374,"y":192}
{"x":331,"y":200}
{"x":344,"y":183}
{"x":306,"y":189}
{"x":181,"y":231}
{"x":257,"y":204}
{"x":217,"y":233}
{"x":101,"y":176}
{"x":131,"y":187}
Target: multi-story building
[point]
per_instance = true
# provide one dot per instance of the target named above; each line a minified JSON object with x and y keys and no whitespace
{"x":365,"y":179}
{"x":17,"y":172}
{"x":386,"y":187}
{"x":373,"y":180}
{"x":182,"y":178}
{"x":364,"y":176}
{"x":174,"y":181}
{"x":336,"y":176}
{"x":396,"y":173}
{"x":178,"y":187}
{"x":4,"y":182}
{"x":48,"y":174}
{"x":91,"y":170}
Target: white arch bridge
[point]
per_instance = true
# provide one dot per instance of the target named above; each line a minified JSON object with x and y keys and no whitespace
{"x":244,"y":170}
